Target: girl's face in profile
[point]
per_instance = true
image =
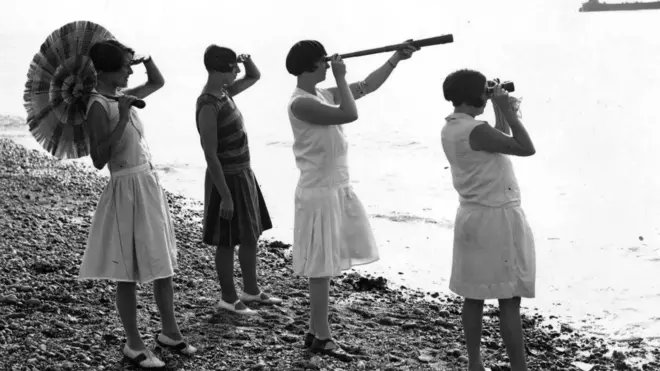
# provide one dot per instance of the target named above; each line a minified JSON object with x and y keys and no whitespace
{"x":322,"y":68}
{"x":120,"y":77}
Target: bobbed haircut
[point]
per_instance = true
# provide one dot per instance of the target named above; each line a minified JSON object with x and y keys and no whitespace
{"x":303,"y":57}
{"x":465,"y":87}
{"x":218,"y":58}
{"x":108,"y":55}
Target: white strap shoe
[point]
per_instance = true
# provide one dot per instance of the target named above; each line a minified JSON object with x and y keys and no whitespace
{"x":233,"y":308}
{"x":144,"y":359}
{"x":262,"y":298}
{"x":176,"y":346}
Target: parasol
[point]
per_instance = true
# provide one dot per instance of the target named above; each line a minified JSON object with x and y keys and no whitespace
{"x":60,"y":78}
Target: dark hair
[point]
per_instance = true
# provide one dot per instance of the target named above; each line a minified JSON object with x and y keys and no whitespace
{"x":303,"y":57}
{"x":108,"y":55}
{"x":465,"y":86}
{"x":219,"y":58}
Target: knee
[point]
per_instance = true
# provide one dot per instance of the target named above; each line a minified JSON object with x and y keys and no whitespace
{"x":510,"y":304}
{"x":319,"y":280}
{"x":163,"y":282}
{"x":126,"y":287}
{"x":248,"y":246}
{"x":477,"y":303}
{"x":224,"y":251}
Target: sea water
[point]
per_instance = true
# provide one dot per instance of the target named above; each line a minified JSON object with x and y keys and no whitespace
{"x":589,"y":83}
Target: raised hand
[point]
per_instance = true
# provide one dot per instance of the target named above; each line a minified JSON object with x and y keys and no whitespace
{"x":338,"y":66}
{"x":139,"y":59}
{"x":406,"y":52}
{"x":125,"y":102}
{"x":501,"y":98}
{"x":242,"y":58}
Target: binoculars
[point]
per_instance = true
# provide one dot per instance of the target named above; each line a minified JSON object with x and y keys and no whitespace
{"x":507,"y":85}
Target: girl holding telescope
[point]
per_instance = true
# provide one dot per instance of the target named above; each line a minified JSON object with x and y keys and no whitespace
{"x":331,"y":227}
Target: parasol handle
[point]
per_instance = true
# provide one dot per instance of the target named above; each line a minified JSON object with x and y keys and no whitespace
{"x":444,"y":39}
{"x":139,"y":103}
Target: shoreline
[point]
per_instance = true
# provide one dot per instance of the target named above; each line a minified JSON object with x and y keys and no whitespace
{"x":410,"y":256}
{"x":43,"y":246}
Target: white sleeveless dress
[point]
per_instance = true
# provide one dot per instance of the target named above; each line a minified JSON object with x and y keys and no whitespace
{"x":331,"y":227}
{"x":494,"y":255}
{"x":132,"y":237}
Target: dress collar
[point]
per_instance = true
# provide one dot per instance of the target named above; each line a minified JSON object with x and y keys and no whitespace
{"x":459,"y":115}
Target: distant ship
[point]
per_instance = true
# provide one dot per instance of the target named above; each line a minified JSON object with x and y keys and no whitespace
{"x":597,"y":6}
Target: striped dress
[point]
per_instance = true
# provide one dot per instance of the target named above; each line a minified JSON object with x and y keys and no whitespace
{"x":251,"y":216}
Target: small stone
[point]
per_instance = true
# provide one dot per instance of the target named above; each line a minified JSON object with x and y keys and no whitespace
{"x":409,"y":325}
{"x":395,"y":359}
{"x":425,"y":358}
{"x":316,"y":360}
{"x":9,"y":299}
{"x":260,"y":365}
{"x":387,"y":321}
{"x":462,"y":359}
{"x":443,"y":323}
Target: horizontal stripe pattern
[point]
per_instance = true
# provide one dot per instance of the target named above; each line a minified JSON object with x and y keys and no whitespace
{"x":233,"y":151}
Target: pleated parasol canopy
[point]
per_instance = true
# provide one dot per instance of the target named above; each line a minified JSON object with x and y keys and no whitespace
{"x":60,"y":78}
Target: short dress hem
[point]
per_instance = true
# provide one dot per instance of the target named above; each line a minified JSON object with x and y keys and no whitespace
{"x":251,"y":217}
{"x":132,"y":236}
{"x":108,"y":278}
{"x":332,"y":233}
{"x":490,"y":292}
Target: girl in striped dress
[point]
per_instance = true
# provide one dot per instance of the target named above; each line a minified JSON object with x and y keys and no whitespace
{"x":131,"y":238}
{"x":494,"y":254}
{"x":235,"y":212}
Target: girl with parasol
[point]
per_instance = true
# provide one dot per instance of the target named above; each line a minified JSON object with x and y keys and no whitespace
{"x":494,"y":254}
{"x":331,"y":227}
{"x":132,"y":238}
{"x":235,"y":212}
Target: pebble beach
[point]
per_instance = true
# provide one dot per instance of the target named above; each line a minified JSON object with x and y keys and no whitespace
{"x":49,"y":320}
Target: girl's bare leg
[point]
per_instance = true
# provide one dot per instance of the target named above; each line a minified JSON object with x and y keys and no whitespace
{"x":319,"y":297}
{"x":512,"y":333}
{"x":126,"y":301}
{"x":473,"y":311}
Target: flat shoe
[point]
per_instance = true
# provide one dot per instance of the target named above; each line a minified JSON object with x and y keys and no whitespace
{"x":232,"y":308}
{"x":309,"y":339}
{"x":261,"y":298}
{"x":144,"y":359}
{"x":180,"y":347}
{"x":330,"y":348}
